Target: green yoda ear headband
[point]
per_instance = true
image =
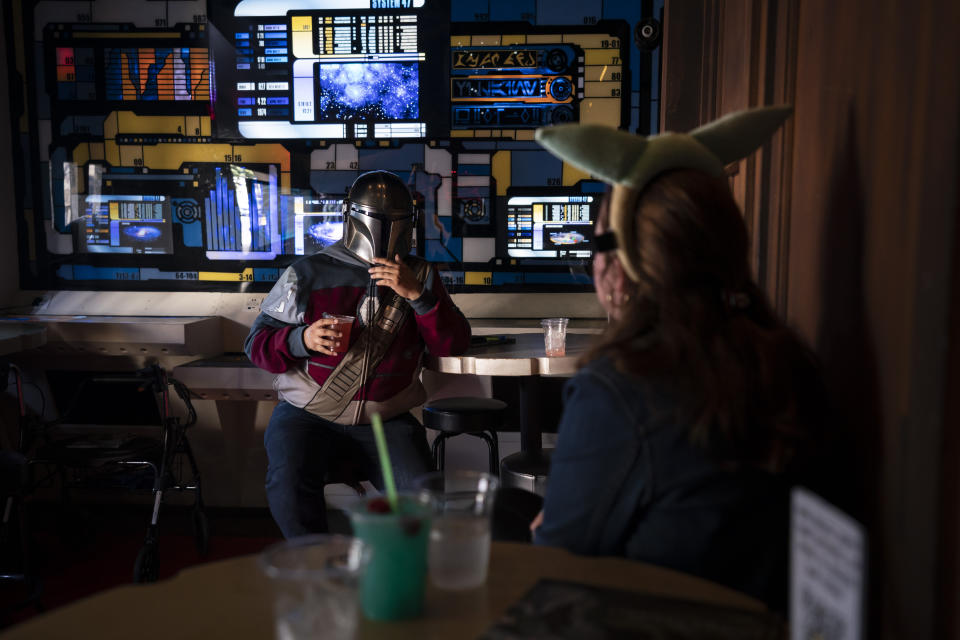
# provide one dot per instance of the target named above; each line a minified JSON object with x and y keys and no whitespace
{"x":632,"y":161}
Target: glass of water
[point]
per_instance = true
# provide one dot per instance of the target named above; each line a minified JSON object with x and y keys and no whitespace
{"x":315,"y":585}
{"x":555,"y":336}
{"x":459,"y":550}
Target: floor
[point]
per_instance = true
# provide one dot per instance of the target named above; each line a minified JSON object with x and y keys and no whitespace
{"x":95,"y":548}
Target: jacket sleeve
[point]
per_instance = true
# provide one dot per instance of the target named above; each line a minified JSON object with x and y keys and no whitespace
{"x":592,"y":493}
{"x":275,"y":341}
{"x":442,"y":326}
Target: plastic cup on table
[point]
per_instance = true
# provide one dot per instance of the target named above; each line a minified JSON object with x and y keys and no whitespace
{"x":459,"y":551}
{"x":315,"y":582}
{"x":344,"y":324}
{"x":393,"y":585}
{"x":555,"y":336}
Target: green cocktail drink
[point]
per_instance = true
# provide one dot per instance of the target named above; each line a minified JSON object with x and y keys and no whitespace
{"x":392,"y":587}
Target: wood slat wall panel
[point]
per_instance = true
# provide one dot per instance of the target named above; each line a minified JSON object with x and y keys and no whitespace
{"x":853,"y":210}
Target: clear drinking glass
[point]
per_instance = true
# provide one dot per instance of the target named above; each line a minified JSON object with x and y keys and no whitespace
{"x":344,"y":325}
{"x":555,"y":336}
{"x":315,"y":585}
{"x":459,"y":549}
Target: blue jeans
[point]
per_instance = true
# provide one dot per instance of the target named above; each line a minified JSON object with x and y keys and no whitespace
{"x":301,"y":448}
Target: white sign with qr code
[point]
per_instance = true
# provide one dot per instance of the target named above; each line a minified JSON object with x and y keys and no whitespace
{"x":827,"y":570}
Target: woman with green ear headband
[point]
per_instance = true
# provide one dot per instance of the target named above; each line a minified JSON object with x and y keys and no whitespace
{"x":686,"y":420}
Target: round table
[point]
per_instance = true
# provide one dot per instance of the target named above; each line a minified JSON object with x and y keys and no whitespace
{"x":231,"y":599}
{"x":525,"y":357}
{"x":526,"y":360}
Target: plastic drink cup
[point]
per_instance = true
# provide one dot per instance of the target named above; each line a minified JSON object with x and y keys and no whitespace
{"x":344,"y":324}
{"x":393,"y":585}
{"x":459,"y":551}
{"x":555,"y":336}
{"x":315,"y":582}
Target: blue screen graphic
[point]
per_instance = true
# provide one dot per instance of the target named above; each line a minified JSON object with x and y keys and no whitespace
{"x":325,"y":233}
{"x":143,"y":233}
{"x":374,"y":91}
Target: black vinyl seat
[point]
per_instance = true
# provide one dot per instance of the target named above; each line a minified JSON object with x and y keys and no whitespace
{"x":478,"y":417}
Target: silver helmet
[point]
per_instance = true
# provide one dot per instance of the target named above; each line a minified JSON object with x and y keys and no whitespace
{"x":379,"y":217}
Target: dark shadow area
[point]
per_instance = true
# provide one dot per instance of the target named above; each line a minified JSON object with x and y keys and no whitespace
{"x":89,"y":549}
{"x":549,"y":401}
{"x":854,"y":433}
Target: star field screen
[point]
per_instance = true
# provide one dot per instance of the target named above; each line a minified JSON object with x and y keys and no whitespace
{"x":369,"y":91}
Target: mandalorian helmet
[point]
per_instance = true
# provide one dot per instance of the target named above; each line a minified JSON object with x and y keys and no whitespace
{"x":379,"y":217}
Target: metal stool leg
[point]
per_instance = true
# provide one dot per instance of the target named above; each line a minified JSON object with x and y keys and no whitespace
{"x":495,"y":454}
{"x":439,"y":450}
{"x":490,"y":437}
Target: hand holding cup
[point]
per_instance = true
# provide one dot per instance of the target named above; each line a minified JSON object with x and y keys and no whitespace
{"x":323,"y":336}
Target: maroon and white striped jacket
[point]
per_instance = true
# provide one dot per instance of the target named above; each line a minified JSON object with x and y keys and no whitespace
{"x":335,"y":281}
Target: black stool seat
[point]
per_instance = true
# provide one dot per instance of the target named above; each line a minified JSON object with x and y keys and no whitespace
{"x":463,"y":415}
{"x":478,"y":417}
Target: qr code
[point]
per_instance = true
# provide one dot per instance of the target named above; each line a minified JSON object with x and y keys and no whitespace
{"x":820,"y":622}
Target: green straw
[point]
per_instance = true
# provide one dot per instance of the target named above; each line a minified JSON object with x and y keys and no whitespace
{"x":385,"y":466}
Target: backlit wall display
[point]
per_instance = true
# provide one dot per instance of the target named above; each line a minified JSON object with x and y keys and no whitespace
{"x":551,"y":226}
{"x":206,"y":144}
{"x":338,"y":71}
{"x":155,"y":73}
{"x":515,"y":86}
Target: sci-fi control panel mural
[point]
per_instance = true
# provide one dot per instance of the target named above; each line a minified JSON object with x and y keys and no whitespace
{"x":205,"y":145}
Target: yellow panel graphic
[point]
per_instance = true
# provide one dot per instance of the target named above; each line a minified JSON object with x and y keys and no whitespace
{"x":485,"y":41}
{"x":301,"y":23}
{"x":191,"y":126}
{"x":593,"y":40}
{"x":601,"y":56}
{"x":303,"y":43}
{"x":460,"y":41}
{"x":263,"y":154}
{"x":130,"y":123}
{"x":537,"y":38}
{"x":111,"y":153}
{"x":478,"y":277}
{"x":500,"y":170}
{"x":110,"y":124}
{"x":81,"y":154}
{"x":508,"y":40}
{"x":219,"y":276}
{"x":173,"y":155}
{"x":96,"y":151}
{"x":131,"y":155}
{"x":572,"y":175}
{"x":114,"y":210}
{"x":601,"y":89}
{"x":600,"y":111}
{"x":603,"y":73}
